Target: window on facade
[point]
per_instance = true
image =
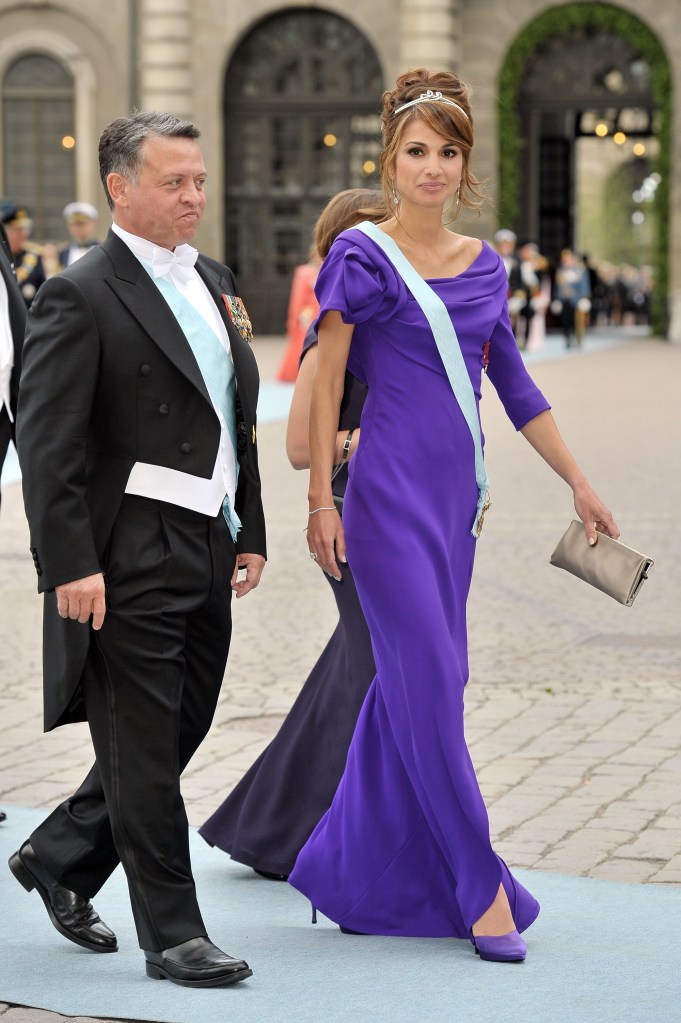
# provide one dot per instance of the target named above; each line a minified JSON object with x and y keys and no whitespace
{"x":301,"y":105}
{"x":39,"y":141}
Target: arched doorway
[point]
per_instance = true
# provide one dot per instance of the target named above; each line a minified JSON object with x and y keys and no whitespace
{"x":585,"y":90}
{"x":39,"y":140}
{"x":577,"y":86}
{"x":301,"y":121}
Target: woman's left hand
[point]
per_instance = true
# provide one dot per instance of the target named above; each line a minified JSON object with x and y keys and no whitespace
{"x":326,"y":541}
{"x":597,"y":518}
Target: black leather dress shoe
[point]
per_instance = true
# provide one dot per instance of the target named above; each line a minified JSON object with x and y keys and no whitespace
{"x":73,"y":915}
{"x":196,"y":963}
{"x":3,"y":815}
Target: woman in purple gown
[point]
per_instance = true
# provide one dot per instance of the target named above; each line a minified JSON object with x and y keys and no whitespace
{"x":405,"y":847}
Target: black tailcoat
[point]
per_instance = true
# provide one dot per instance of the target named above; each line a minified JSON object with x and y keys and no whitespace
{"x":17,"y":314}
{"x":109,"y":379}
{"x":16,"y":309}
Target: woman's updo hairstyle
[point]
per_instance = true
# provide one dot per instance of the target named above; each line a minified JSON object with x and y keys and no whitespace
{"x":453,"y":123}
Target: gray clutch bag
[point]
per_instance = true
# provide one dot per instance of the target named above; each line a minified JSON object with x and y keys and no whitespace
{"x":609,"y":565}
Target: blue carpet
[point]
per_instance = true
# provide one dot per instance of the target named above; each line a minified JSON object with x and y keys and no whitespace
{"x":274,"y":401}
{"x":600,"y":952}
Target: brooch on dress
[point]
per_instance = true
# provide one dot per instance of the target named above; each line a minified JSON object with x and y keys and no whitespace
{"x":239,"y":316}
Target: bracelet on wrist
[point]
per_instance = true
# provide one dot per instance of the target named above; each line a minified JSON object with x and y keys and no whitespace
{"x":325,"y":508}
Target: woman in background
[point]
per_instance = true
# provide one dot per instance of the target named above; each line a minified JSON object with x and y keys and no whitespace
{"x":572,"y":297}
{"x":270,"y":814}
{"x":302,"y":310}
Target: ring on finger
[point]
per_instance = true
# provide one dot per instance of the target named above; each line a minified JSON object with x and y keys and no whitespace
{"x":313,"y":555}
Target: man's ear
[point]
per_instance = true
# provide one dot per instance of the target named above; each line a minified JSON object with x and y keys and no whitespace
{"x":118,"y":188}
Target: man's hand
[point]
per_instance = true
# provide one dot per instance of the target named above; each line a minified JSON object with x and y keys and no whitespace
{"x":82,"y":598}
{"x":254,"y":564}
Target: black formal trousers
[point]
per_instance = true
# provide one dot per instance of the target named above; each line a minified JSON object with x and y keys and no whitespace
{"x":150,"y":687}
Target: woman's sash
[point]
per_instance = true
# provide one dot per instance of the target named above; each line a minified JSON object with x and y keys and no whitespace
{"x":437,"y":315}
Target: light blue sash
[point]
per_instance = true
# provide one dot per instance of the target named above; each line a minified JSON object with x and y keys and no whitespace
{"x":447,"y":343}
{"x":217,"y":369}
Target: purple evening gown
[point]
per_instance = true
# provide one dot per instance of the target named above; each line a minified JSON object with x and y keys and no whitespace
{"x":405,"y":847}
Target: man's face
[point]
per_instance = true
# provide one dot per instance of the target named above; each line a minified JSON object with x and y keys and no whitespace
{"x":17,"y":237}
{"x":81,"y":231}
{"x":166,"y":204}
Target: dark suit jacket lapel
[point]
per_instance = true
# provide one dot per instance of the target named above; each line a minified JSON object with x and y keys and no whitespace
{"x":241,"y":355}
{"x":136,"y":290}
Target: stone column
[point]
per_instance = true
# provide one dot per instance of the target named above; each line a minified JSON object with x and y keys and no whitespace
{"x":165,"y":56}
{"x":430,"y":34}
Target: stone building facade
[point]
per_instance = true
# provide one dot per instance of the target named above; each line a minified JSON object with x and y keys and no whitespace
{"x":287,"y":96}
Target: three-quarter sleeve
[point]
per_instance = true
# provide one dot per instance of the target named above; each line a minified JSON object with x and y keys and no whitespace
{"x":356,"y":284}
{"x":518,"y":392}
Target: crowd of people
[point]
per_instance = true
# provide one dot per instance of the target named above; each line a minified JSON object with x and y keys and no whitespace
{"x":135,"y":424}
{"x":570,"y":296}
{"x":33,"y":262}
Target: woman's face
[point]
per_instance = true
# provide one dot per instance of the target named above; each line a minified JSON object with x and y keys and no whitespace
{"x":428,"y":167}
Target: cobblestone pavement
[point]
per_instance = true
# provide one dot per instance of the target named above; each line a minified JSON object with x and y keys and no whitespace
{"x":574,"y":704}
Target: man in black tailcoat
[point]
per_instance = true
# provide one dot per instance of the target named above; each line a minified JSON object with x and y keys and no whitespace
{"x":136,"y":433}
{"x":12,"y":323}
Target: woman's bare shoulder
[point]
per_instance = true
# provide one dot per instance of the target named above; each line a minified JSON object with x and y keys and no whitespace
{"x":465,"y":246}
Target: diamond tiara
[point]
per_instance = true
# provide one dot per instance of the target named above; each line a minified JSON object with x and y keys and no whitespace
{"x":431,"y":97}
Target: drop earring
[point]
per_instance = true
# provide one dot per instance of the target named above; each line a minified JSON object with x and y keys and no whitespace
{"x":458,"y":200}
{"x":396,"y":198}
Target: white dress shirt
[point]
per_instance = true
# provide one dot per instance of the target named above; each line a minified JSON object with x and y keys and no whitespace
{"x":6,"y":350}
{"x":76,"y":252}
{"x":158,"y":481}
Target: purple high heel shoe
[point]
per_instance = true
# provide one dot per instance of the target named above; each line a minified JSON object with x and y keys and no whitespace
{"x":499,"y":948}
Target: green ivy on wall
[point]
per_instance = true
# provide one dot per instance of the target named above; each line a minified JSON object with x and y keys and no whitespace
{"x":616,"y":21}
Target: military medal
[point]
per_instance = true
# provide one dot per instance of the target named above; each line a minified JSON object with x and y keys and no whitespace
{"x":239,"y":316}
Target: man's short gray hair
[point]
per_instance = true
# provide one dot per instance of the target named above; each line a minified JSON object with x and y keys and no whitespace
{"x":120,"y":145}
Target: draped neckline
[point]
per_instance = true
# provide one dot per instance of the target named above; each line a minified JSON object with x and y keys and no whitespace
{"x":445,"y":280}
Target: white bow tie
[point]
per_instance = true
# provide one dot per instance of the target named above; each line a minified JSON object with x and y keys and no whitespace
{"x":182,"y":261}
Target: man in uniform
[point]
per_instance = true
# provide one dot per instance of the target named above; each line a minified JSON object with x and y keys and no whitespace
{"x":27,"y":256}
{"x":505,"y":243}
{"x":81,"y":221}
